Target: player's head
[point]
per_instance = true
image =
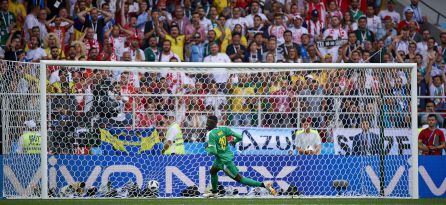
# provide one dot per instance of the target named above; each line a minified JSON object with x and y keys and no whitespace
{"x":212,"y":122}
{"x":432,"y":120}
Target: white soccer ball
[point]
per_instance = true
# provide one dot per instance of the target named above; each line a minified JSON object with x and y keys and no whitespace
{"x":153,"y":185}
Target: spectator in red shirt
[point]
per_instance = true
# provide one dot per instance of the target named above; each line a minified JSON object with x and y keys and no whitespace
{"x":431,"y":140}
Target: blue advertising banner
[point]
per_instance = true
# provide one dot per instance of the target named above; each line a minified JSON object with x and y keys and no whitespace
{"x":432,"y":176}
{"x":313,"y":175}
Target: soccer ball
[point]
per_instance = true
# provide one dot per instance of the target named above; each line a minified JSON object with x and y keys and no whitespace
{"x":153,"y":185}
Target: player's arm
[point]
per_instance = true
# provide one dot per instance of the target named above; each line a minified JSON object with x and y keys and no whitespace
{"x":237,"y":136}
{"x":170,"y":138}
{"x":211,"y":146}
{"x":318,"y":146}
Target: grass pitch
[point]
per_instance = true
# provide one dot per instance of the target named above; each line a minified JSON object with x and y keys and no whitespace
{"x":222,"y":201}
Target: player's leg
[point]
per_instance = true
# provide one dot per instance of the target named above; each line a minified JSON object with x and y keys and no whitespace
{"x":214,"y":178}
{"x":232,"y":171}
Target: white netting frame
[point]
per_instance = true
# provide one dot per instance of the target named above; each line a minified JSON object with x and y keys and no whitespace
{"x":235,"y":68}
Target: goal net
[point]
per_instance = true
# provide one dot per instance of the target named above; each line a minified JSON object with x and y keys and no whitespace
{"x":100,"y":129}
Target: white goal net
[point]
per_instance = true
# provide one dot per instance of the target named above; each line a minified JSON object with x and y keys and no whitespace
{"x":314,"y":130}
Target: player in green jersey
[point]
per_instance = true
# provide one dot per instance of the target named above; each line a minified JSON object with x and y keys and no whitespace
{"x":217,"y":144}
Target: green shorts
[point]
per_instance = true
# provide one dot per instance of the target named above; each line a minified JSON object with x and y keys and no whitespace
{"x":229,"y":168}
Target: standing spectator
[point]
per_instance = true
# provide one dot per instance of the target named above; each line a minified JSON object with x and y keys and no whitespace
{"x":220,"y":78}
{"x":42,"y":22}
{"x":19,"y":11}
{"x":143,"y":16}
{"x":332,"y":10}
{"x":166,"y":53}
{"x":61,"y":27}
{"x":348,"y":23}
{"x":316,"y":5}
{"x":297,"y":29}
{"x":315,"y":26}
{"x":272,"y":49}
{"x":223,"y":33}
{"x":176,"y":39}
{"x":422,"y":45}
{"x":117,"y":36}
{"x":255,"y":11}
{"x":35,"y":52}
{"x":236,"y":50}
{"x":30,"y":22}
{"x":136,"y":53}
{"x":180,"y":19}
{"x":236,"y":19}
{"x":436,"y":83}
{"x":373,"y":21}
{"x":196,"y":49}
{"x":431,"y":140}
{"x":390,"y":11}
{"x":204,"y":22}
{"x":408,"y":14}
{"x":253,"y":55}
{"x":284,"y":49}
{"x":430,"y":110}
{"x":335,"y":30}
{"x":195,"y":28}
{"x":242,"y":106}
{"x":96,"y":22}
{"x":89,"y":40}
{"x":258,"y":27}
{"x":153,"y":50}
{"x":278,"y":28}
{"x":442,"y":48}
{"x":418,"y":16}
{"x":355,"y":10}
{"x":363,"y":33}
{"x":215,"y":102}
{"x":7,"y":23}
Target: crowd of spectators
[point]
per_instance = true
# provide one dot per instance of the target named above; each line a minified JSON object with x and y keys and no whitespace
{"x":225,"y":31}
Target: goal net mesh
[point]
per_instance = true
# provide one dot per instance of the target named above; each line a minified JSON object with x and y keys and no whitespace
{"x":321,"y":132}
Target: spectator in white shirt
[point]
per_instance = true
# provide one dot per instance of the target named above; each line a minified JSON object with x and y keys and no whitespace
{"x":167,"y":54}
{"x":390,"y":11}
{"x":336,"y":32}
{"x":255,"y":10}
{"x":278,"y":28}
{"x":236,"y":19}
{"x":373,"y":21}
{"x":297,"y":29}
{"x":221,"y":76}
{"x":35,"y":53}
{"x":204,"y":22}
{"x":215,"y":103}
{"x":136,"y":53}
{"x":31,"y":21}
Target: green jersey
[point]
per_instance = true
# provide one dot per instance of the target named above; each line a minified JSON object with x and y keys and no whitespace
{"x":218,"y":143}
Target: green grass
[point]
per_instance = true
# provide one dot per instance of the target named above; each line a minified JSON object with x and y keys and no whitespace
{"x":223,"y":201}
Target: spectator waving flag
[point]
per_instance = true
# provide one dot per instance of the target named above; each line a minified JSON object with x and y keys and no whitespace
{"x":130,"y":142}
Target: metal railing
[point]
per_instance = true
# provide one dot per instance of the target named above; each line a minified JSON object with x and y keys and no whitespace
{"x":439,"y":14}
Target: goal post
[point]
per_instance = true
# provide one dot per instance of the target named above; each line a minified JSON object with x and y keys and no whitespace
{"x":386,"y":172}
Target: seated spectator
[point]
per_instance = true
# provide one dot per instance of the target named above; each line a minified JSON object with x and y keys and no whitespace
{"x":363,"y":33}
{"x":272,"y":49}
{"x":408,"y":14}
{"x":390,"y":11}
